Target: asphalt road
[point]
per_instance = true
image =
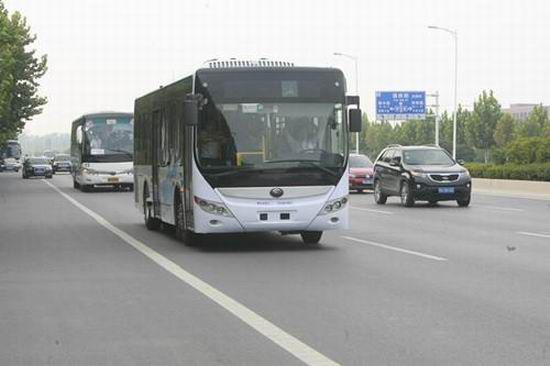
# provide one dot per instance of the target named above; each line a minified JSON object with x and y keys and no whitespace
{"x":404,"y":286}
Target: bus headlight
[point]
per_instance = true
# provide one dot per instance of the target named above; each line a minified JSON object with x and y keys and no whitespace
{"x":88,"y":171}
{"x":214,"y":208}
{"x":334,"y":205}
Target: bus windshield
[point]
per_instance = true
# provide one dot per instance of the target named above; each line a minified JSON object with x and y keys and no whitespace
{"x":109,"y":138}
{"x":278,"y":122}
{"x":62,"y":157}
{"x":12,"y":149}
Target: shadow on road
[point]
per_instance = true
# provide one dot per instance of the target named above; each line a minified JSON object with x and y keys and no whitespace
{"x":249,"y":242}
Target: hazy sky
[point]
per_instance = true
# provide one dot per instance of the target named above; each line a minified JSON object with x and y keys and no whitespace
{"x":105,"y":53}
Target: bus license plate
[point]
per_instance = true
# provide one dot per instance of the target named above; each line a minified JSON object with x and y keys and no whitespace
{"x":112,"y":180}
{"x":447,"y":190}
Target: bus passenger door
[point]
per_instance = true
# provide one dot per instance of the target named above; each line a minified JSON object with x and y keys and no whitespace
{"x":188,"y":153}
{"x":156,"y":155}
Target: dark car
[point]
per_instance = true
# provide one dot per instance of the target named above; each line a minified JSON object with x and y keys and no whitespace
{"x":420,"y":173}
{"x":62,"y":163}
{"x":361,"y":174}
{"x":37,"y":167}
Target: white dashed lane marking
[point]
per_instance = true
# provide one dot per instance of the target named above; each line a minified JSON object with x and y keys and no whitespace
{"x":263,"y":326}
{"x":396,"y":249}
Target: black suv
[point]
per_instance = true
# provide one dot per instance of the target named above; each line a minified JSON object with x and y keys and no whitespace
{"x":423,"y":173}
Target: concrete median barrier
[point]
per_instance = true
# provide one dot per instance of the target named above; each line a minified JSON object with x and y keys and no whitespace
{"x":517,"y":188}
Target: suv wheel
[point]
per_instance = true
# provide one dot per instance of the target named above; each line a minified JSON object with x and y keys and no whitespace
{"x":407,"y":198}
{"x":379,"y":197}
{"x":465,"y":202}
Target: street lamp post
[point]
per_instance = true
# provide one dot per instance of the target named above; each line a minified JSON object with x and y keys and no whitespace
{"x":354,"y":58}
{"x":454,"y":33}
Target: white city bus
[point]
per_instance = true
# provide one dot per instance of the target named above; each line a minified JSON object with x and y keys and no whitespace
{"x":102,"y":150}
{"x":243,"y":146}
{"x":10,"y":156}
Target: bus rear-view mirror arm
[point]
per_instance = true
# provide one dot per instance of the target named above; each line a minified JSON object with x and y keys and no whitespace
{"x":352,"y":100}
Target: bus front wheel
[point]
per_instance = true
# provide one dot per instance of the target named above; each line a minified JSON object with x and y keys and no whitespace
{"x":188,"y":237}
{"x":311,"y":237}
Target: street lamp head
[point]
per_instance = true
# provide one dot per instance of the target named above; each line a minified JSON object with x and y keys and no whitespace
{"x":453,"y":32}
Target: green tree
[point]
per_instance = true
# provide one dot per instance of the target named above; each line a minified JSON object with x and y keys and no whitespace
{"x":463,"y":150}
{"x":480,"y":128}
{"x":364,"y":127}
{"x":20,"y":69}
{"x":536,"y":123}
{"x":527,"y":150}
{"x":504,"y":131}
{"x":377,"y":136}
{"x":406,"y":133}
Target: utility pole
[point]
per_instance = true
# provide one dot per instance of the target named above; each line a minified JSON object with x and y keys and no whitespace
{"x":454,"y":34}
{"x":355,"y":60}
{"x":436,"y":107}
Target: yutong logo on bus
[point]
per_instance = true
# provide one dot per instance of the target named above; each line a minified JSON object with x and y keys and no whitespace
{"x":276,"y":192}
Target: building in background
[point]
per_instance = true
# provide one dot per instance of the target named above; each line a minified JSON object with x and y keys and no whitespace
{"x":520,"y":111}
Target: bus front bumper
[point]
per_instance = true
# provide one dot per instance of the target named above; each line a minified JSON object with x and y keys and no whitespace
{"x":277,"y":220}
{"x":107,"y":179}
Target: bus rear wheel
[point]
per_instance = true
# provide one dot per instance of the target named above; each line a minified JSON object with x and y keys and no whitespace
{"x":311,"y":237}
{"x":151,"y":223}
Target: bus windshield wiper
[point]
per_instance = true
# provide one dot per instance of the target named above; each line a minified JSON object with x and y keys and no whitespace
{"x":308,"y":162}
{"x":231,"y":171}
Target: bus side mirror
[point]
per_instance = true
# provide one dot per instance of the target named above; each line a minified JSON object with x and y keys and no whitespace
{"x":355,"y":120}
{"x":191,"y":112}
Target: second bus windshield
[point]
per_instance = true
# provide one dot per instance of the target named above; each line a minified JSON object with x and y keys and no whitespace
{"x":109,"y":136}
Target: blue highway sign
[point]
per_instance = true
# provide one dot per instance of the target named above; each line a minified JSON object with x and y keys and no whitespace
{"x":400,"y":105}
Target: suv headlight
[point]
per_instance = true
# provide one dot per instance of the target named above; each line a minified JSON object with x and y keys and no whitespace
{"x":418,"y":173}
{"x":214,"y":208}
{"x":334,"y":205}
{"x":128,"y":171}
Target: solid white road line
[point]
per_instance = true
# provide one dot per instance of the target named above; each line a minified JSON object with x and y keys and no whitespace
{"x":500,"y":208}
{"x":371,"y":210}
{"x":275,"y":334}
{"x":418,"y":254}
{"x":533,"y":234}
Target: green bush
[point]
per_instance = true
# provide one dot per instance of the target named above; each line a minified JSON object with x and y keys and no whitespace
{"x":527,"y":150}
{"x":539,"y":172}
